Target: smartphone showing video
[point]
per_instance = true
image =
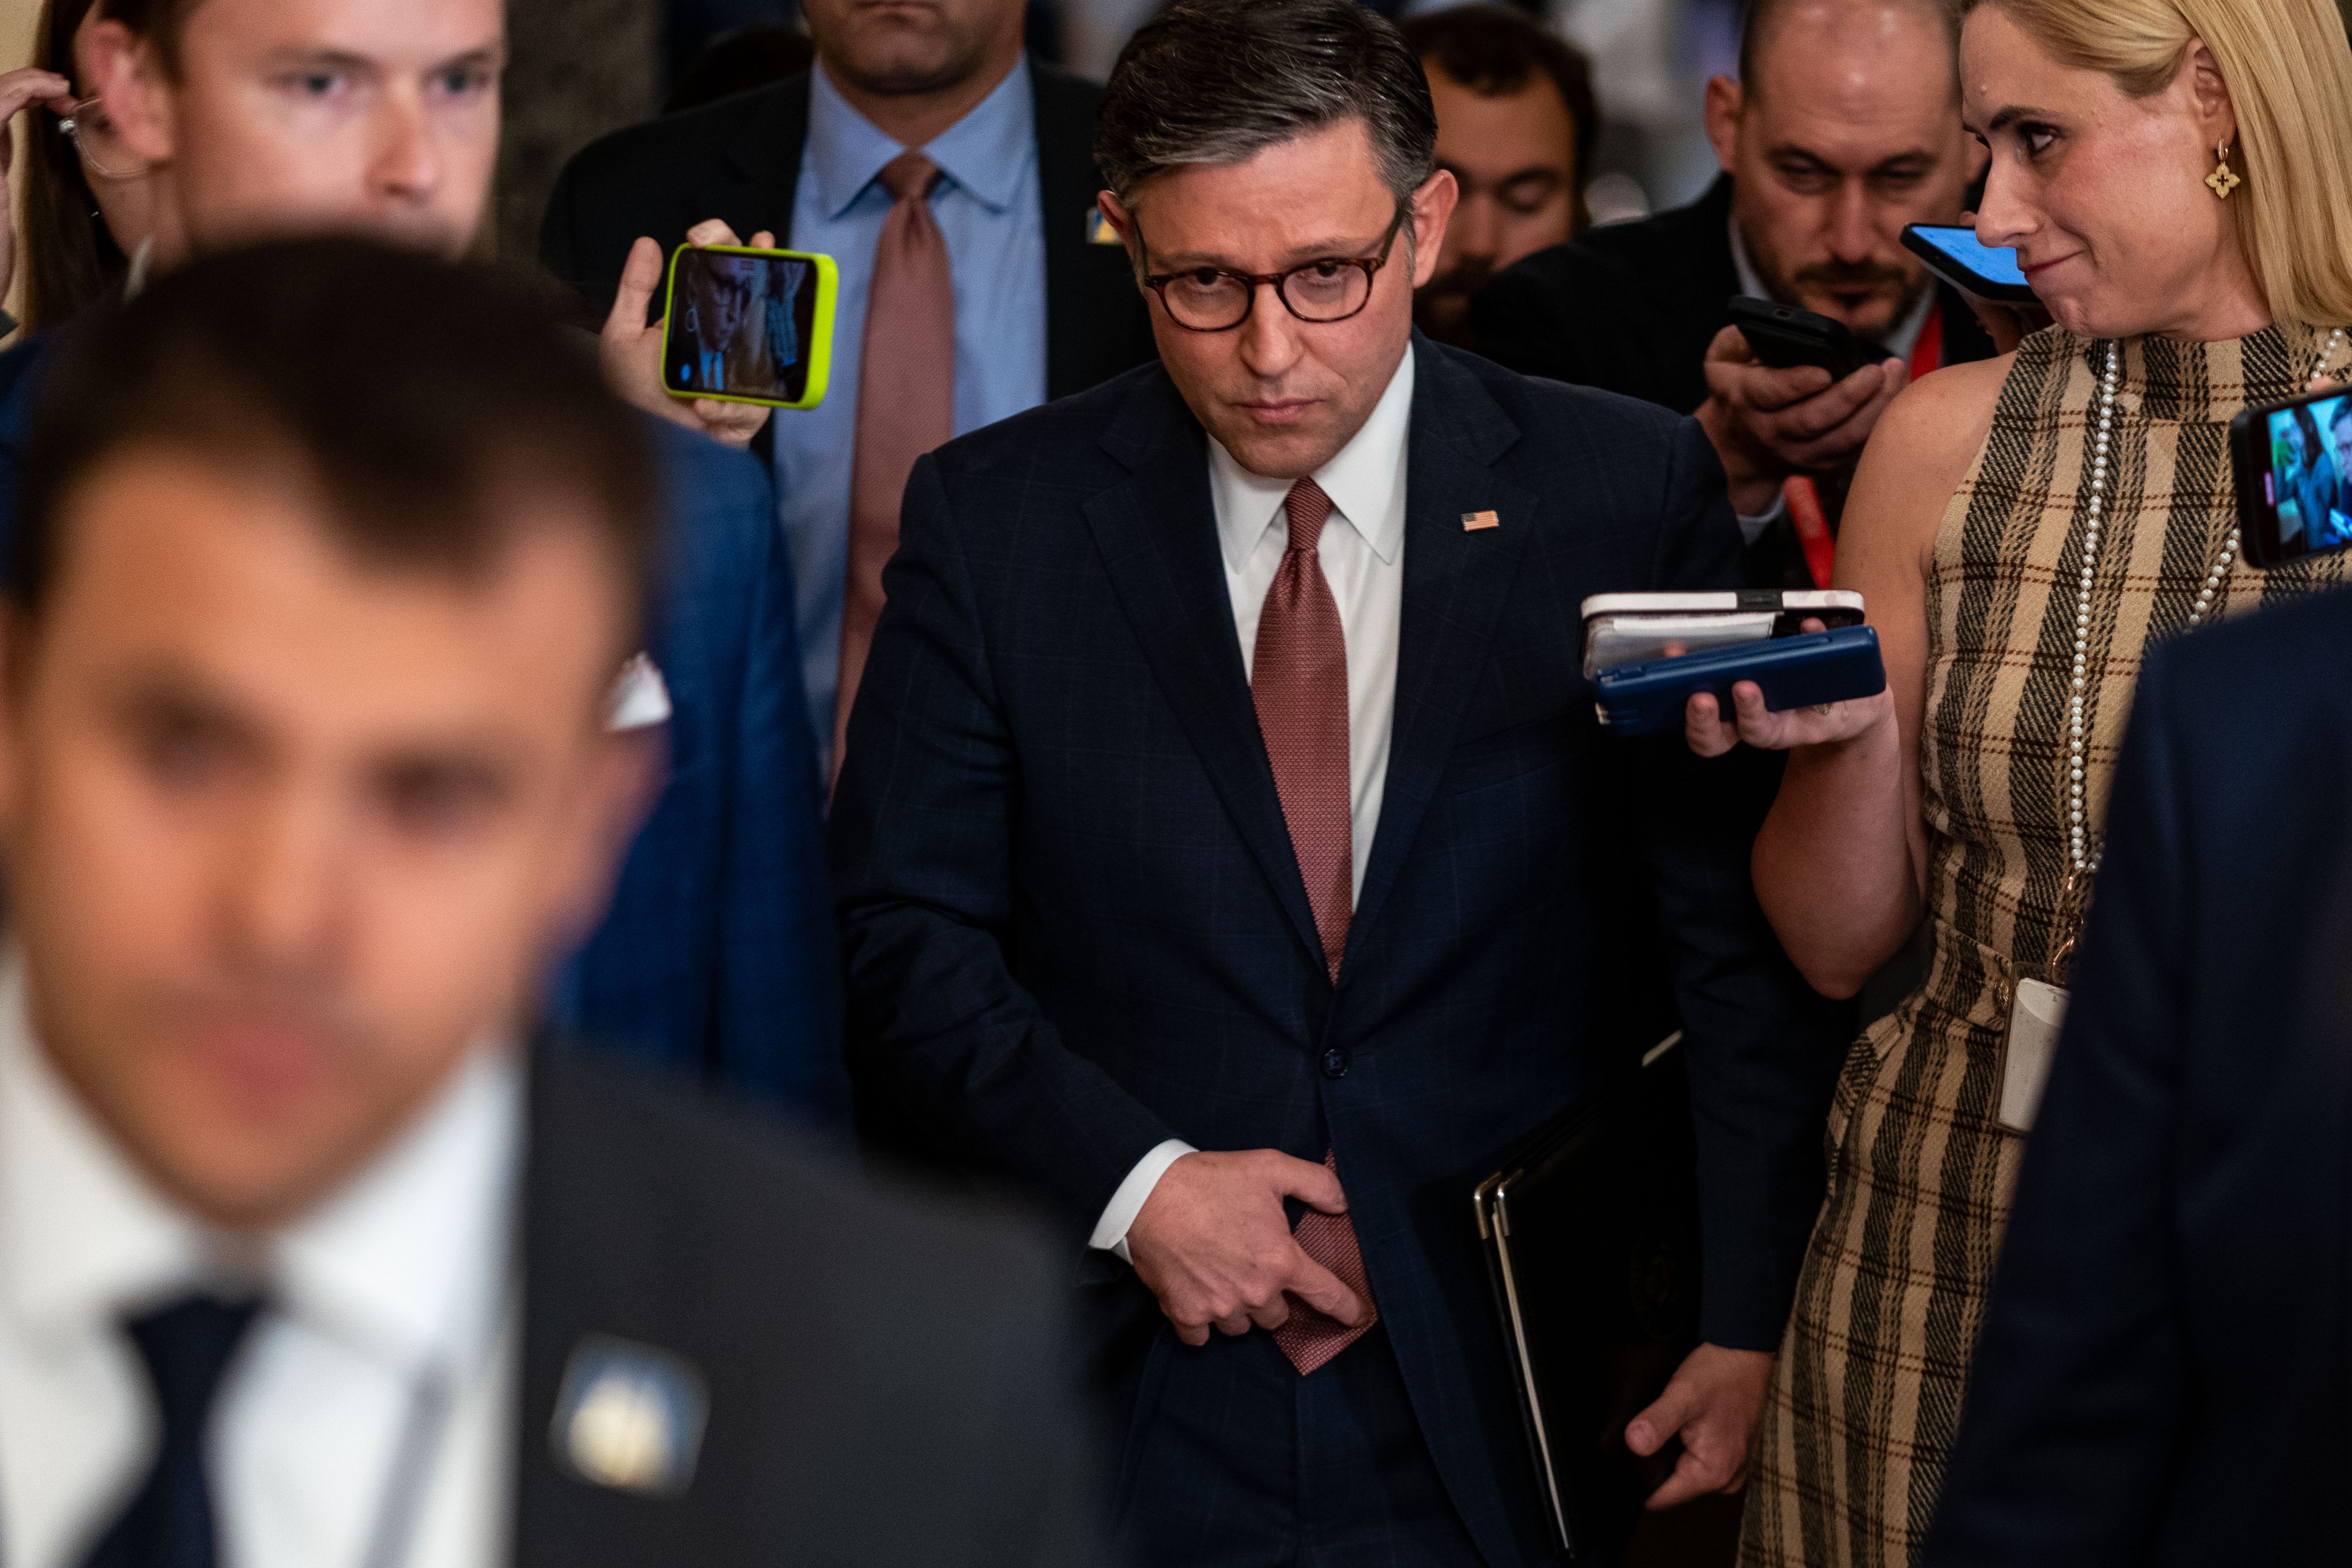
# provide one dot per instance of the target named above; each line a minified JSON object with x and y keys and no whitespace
{"x":2292,"y":462}
{"x":1950,"y":251}
{"x":748,"y":326}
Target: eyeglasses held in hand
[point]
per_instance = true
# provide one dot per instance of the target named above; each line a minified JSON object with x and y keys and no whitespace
{"x":98,"y":142}
{"x":1217,"y":300}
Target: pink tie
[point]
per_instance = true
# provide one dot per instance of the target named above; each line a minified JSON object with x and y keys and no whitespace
{"x":906,"y":405}
{"x":1298,"y":680}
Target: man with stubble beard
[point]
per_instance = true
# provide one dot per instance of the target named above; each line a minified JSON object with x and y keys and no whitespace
{"x":1516,"y":121}
{"x":954,"y":183}
{"x":1843,"y":127}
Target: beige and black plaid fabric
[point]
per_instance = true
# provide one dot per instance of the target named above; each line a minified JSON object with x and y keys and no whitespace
{"x":1867,"y":1391}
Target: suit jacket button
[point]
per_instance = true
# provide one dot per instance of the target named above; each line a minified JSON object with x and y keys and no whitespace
{"x":1335,"y":1062}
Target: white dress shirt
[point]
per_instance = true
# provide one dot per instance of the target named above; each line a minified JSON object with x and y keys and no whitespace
{"x":1362,"y":554}
{"x":400,"y":1279}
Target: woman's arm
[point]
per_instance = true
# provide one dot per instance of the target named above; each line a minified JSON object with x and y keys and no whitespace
{"x":1841,"y":865}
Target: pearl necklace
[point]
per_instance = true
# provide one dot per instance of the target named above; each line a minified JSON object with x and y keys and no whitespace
{"x":2083,"y":858}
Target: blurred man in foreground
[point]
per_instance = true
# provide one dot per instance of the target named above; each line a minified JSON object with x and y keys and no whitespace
{"x":305,"y":779}
{"x":275,"y":117}
{"x":1515,"y":124}
{"x":1844,"y":126}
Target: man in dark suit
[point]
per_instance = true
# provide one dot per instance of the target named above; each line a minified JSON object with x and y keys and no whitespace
{"x":1843,"y":127}
{"x":717,"y":960}
{"x":1226,"y":826}
{"x":990,"y":290}
{"x":305,"y":776}
{"x":2165,"y":1370}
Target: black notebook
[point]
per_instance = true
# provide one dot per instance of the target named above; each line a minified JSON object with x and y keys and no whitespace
{"x":1592,"y":1240}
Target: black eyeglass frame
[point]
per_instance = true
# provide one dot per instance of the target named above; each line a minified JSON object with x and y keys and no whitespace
{"x":1158,"y":282}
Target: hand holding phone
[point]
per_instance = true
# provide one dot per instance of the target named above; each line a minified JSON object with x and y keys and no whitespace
{"x":1769,"y":421}
{"x":2293,"y":465}
{"x":630,"y":352}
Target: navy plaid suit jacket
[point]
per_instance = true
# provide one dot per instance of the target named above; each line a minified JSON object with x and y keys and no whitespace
{"x":1073,"y":927}
{"x":717,"y":959}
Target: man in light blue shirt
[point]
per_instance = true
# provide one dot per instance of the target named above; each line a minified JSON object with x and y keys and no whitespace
{"x":1045,"y":301}
{"x":986,"y":206}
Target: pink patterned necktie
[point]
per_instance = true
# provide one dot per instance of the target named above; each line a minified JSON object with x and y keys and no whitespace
{"x":906,"y":405}
{"x":1298,"y":680}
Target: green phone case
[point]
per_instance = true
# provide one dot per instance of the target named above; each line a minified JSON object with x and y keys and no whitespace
{"x":818,"y":351}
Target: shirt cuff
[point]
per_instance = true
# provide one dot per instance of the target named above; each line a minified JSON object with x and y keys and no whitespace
{"x":1751,"y":529}
{"x":1110,"y":1231}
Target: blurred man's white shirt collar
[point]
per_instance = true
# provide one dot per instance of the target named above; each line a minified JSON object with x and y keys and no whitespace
{"x":405,"y":1275}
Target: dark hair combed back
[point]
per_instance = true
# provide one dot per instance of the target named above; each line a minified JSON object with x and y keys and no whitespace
{"x":1218,"y":81}
{"x":427,"y":403}
{"x":1493,"y":49}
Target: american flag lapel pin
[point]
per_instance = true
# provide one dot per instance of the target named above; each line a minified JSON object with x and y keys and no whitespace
{"x":1472,"y":521}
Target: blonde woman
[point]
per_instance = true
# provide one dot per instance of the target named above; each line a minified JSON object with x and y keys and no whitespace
{"x":2177,"y":178}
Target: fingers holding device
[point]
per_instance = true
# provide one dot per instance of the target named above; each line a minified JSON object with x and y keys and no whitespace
{"x":2290,"y":461}
{"x":748,"y":325}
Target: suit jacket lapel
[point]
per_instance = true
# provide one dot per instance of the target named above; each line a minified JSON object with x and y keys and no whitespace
{"x":1455,"y":582}
{"x":767,"y":157}
{"x":1158,"y":538}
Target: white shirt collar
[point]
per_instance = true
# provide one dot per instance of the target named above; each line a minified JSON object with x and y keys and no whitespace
{"x":407,"y":1263}
{"x":1365,"y":481}
{"x":1899,"y":339}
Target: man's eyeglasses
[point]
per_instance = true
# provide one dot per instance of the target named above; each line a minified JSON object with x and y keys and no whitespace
{"x":99,"y":145}
{"x":1217,"y":300}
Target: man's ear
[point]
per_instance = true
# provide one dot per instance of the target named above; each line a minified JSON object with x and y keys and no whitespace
{"x":2209,"y":94}
{"x":130,"y":78}
{"x":1725,"y":99}
{"x":1122,"y":222}
{"x":1433,"y":209}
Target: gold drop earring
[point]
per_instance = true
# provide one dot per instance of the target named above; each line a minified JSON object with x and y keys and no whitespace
{"x":2223,"y":179}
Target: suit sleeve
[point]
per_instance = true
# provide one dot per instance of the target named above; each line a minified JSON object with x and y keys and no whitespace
{"x":779,"y":999}
{"x":1514,"y":323}
{"x":2081,"y":1381}
{"x":945,"y":1043}
{"x":1764,"y":1048}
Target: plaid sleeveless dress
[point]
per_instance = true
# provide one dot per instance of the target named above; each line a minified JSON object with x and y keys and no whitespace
{"x":1866,"y":1394}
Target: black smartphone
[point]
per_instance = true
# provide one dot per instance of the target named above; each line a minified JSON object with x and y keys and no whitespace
{"x":748,"y":326}
{"x":1783,"y":336}
{"x":1951,"y":253}
{"x":1794,"y":672}
{"x":2294,"y":494}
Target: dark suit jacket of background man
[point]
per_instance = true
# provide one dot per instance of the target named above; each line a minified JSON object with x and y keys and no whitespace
{"x":2166,"y":1372}
{"x":1075,"y":927}
{"x":740,"y":160}
{"x":1631,"y":308}
{"x":886,"y":1384}
{"x":717,"y":959}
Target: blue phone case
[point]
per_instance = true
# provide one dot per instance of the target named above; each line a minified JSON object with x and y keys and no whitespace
{"x":1794,"y":672}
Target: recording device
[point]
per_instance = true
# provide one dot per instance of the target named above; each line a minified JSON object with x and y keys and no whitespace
{"x":1630,"y":628}
{"x":748,"y":326}
{"x":1794,"y":672}
{"x":1783,"y":337}
{"x":1951,"y":252}
{"x":2294,"y":494}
